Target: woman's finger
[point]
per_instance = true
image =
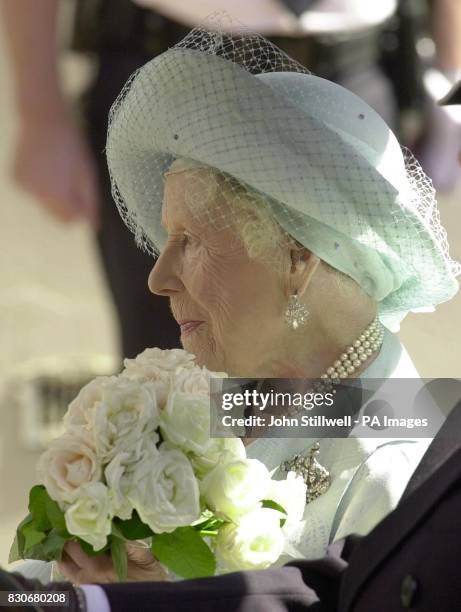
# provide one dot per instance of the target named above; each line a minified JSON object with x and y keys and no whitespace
{"x":142,"y":565}
{"x":96,"y":565}
{"x":68,"y":568}
{"x":139,"y":554}
{"x":75,"y":552}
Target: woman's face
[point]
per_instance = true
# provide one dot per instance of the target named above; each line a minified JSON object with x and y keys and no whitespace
{"x":230,"y":308}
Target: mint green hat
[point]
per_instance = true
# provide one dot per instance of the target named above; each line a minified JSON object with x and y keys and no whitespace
{"x":329,"y":167}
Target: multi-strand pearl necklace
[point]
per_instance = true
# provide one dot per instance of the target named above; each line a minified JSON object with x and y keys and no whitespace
{"x":357,"y":353}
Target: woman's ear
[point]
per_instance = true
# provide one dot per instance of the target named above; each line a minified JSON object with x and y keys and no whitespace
{"x":303,"y":266}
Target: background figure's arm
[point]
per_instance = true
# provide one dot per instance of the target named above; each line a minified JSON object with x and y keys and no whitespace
{"x":439,"y":150}
{"x":447,"y":34}
{"x":30,"y":32}
{"x":52,"y":160}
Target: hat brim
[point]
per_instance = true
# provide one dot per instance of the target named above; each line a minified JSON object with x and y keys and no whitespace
{"x":174,"y":107}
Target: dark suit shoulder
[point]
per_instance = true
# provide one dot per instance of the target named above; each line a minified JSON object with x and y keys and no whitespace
{"x":418,"y":541}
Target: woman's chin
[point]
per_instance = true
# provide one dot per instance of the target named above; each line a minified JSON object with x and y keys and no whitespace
{"x":203,"y":355}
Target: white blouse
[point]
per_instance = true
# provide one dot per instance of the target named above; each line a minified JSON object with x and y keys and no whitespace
{"x":368,"y":475}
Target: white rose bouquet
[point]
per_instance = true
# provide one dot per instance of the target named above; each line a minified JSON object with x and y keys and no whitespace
{"x":136,"y":461}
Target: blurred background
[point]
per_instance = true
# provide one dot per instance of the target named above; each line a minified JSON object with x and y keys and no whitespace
{"x":73,"y":288}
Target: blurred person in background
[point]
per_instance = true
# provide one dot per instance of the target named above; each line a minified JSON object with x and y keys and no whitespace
{"x":453,"y":98}
{"x":63,"y":167}
{"x":62,"y":164}
{"x":438,"y":153}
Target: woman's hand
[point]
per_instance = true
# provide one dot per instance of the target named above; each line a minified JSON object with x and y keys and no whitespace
{"x":79,"y":568}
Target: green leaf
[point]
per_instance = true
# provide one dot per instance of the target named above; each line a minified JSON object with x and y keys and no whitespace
{"x":50,"y":548}
{"x":269,"y":503}
{"x":206,"y":515}
{"x":55,"y":516}
{"x":37,"y":507}
{"x":119,"y":558}
{"x":209,"y":525}
{"x":31,"y":543}
{"x":184,"y":552}
{"x":116,"y":531}
{"x":17,"y":548}
{"x":36,"y":552}
{"x":15,"y":554}
{"x":133,"y":528}
{"x":53,"y":545}
{"x":32,"y":536}
{"x":89,"y":550}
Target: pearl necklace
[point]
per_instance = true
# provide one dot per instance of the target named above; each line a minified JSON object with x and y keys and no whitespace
{"x":316,"y":477}
{"x":358,"y":352}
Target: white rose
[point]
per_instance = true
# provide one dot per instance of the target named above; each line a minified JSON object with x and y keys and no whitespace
{"x":255,"y":543}
{"x":164,"y":490}
{"x":148,"y":364}
{"x":90,"y":517}
{"x":79,"y":417}
{"x":160,"y":384}
{"x":195,"y":380}
{"x":119,"y":475}
{"x":291,"y":495}
{"x":118,"y":481}
{"x":214,"y":451}
{"x":185,"y":421}
{"x":127,"y":414}
{"x":66,"y":465}
{"x":235,"y":486}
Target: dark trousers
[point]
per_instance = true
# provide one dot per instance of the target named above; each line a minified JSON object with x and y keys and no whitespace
{"x":145,"y":320}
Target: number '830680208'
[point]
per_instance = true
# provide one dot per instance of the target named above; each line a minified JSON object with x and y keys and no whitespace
{"x":33,"y":597}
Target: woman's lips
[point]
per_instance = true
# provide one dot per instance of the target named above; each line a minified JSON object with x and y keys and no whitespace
{"x":188,"y":327}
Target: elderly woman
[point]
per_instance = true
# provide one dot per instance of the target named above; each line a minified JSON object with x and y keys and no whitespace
{"x":293,"y":236}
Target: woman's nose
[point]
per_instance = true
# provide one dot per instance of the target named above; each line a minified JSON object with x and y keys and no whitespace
{"x":163,"y":278}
